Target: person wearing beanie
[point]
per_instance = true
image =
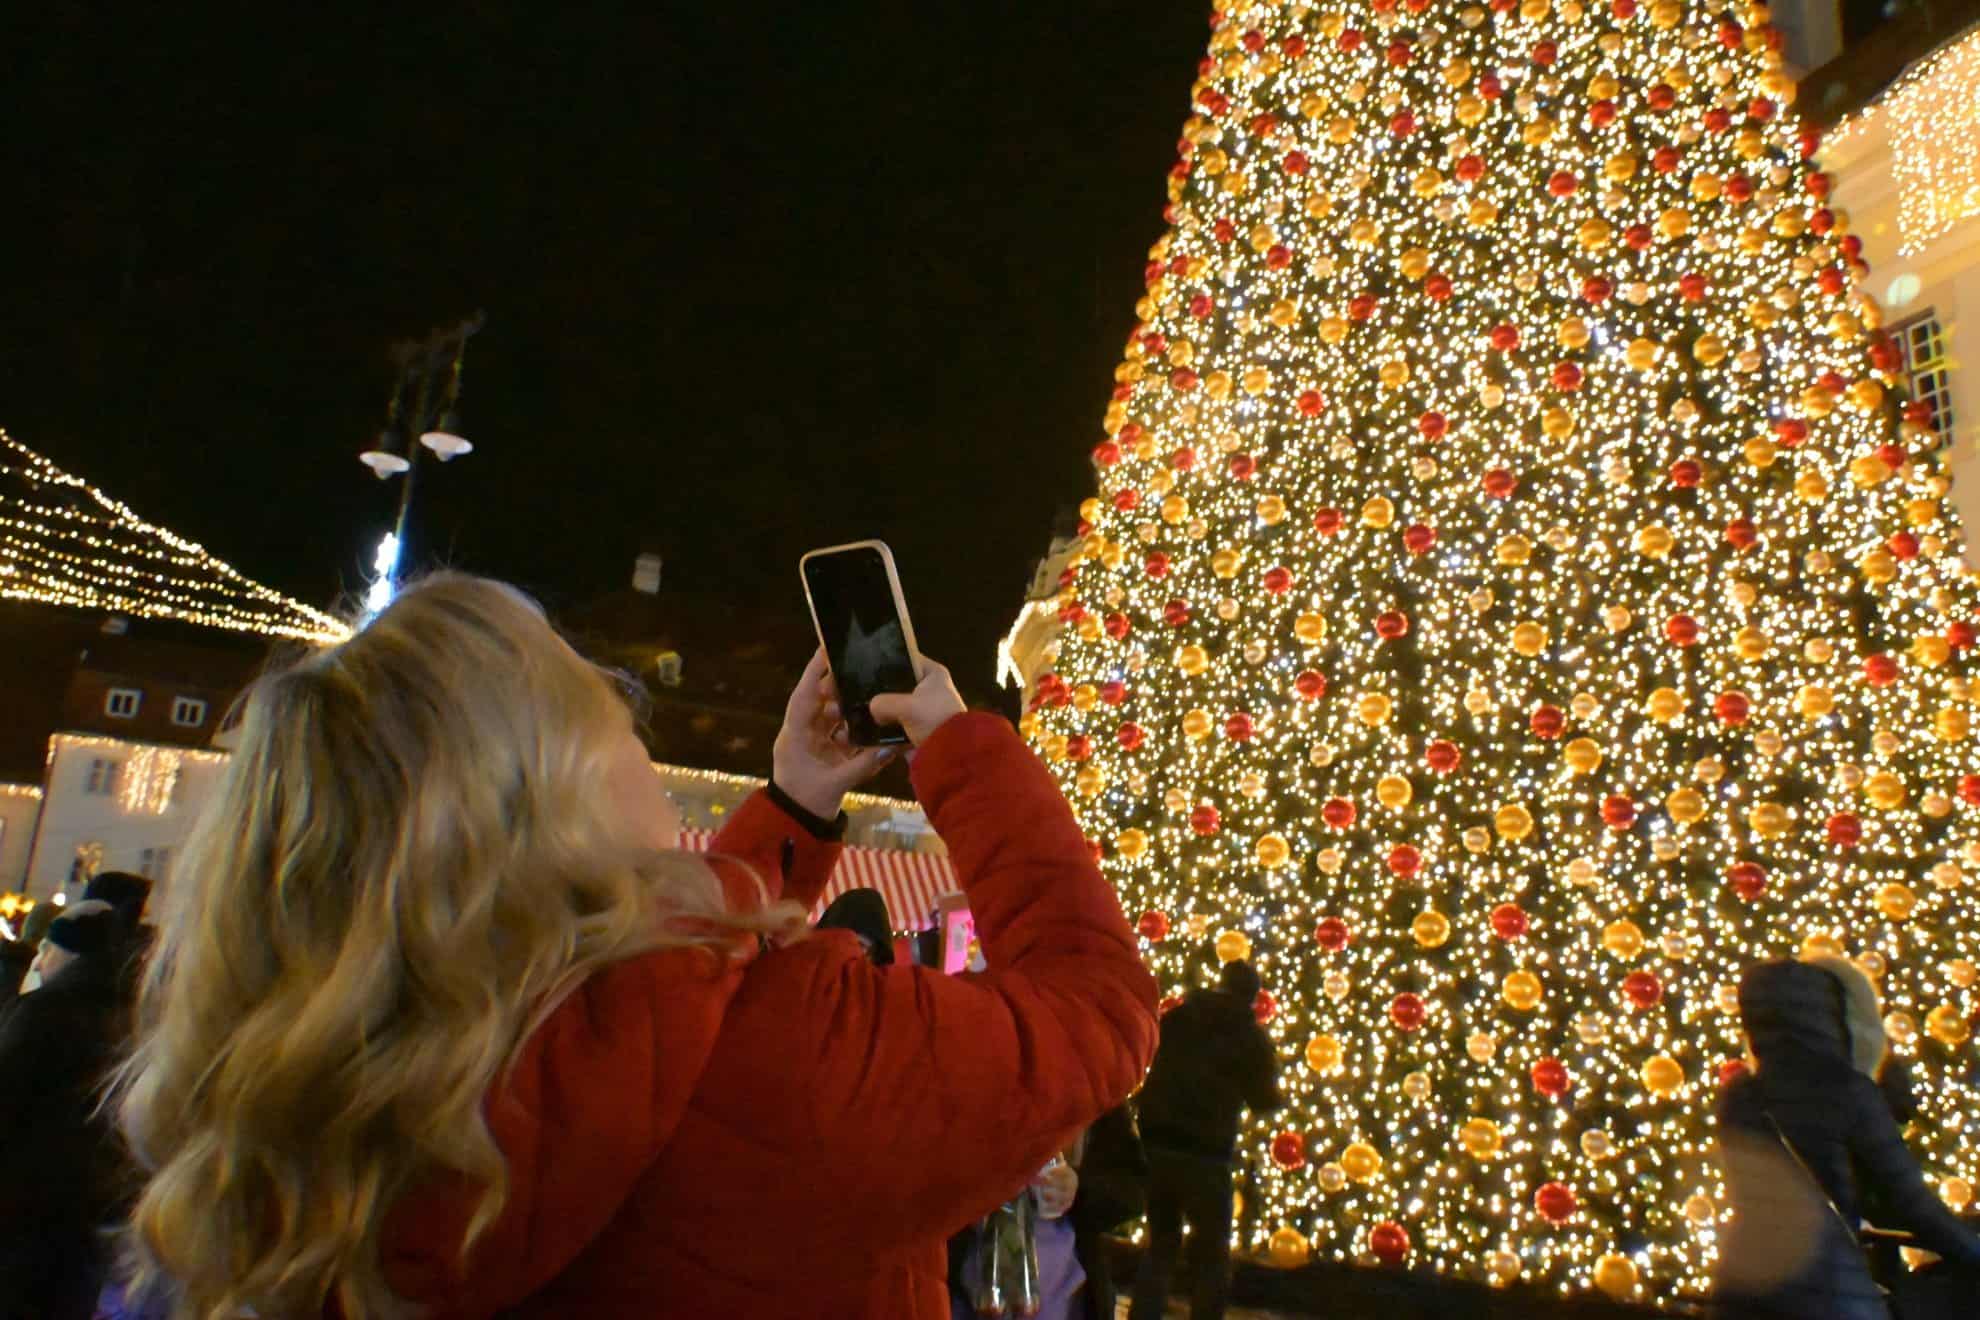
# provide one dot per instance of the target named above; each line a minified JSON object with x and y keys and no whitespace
{"x":864,"y":913}
{"x":1215,"y":1061}
{"x":123,"y":891}
{"x":57,"y":1046}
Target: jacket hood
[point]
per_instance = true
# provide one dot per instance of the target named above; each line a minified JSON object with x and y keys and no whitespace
{"x":1792,"y":1008}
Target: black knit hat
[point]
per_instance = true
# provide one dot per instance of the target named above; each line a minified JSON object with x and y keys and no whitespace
{"x":1241,"y":979}
{"x":83,"y":933}
{"x":864,"y":913}
{"x":121,"y":890}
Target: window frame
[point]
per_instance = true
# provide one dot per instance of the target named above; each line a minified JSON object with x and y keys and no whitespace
{"x":112,"y":699}
{"x":196,"y":705}
{"x":1935,"y":371}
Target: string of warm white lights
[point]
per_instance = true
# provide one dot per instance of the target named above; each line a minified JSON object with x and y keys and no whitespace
{"x":1933,"y":118}
{"x":1514,"y":603}
{"x":63,"y":542}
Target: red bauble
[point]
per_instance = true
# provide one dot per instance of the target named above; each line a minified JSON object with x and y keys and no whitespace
{"x":1168,"y":1005}
{"x":1106,"y":453}
{"x":1239,"y":728}
{"x":1310,"y":684}
{"x":1969,"y":790}
{"x":1113,"y":692}
{"x":1567,"y":376}
{"x":1491,"y":86}
{"x":1821,"y":221}
{"x":1601,"y":114}
{"x":1505,"y":336}
{"x":1555,"y":1203}
{"x":1278,"y":256}
{"x":1391,"y":624}
{"x":1362,"y":306}
{"x":1691,"y":286}
{"x":1201,"y":306}
{"x":1296,"y":162}
{"x":1183,"y":460}
{"x":1885,"y":354}
{"x":1130,"y":736}
{"x":1731,"y":1071}
{"x":1550,"y":1078}
{"x":1545,"y":52}
{"x":1205,"y":819}
{"x":1686,"y":473}
{"x":1176,"y":613}
{"x":1960,"y":634}
{"x":1127,"y":500}
{"x":1264,"y":126}
{"x":1730,"y":34}
{"x":1156,"y":565}
{"x":1072,"y":612}
{"x":1500,"y":483}
{"x":1547,"y":721}
{"x":1294,"y":46}
{"x":1643,"y":990}
{"x":1407,"y":1011}
{"x":1398,"y":53}
{"x":1418,"y":538}
{"x":1662,"y":97}
{"x":1717,"y":120}
{"x":1254,"y":41}
{"x":1880,"y":670}
{"x":1338,"y":812}
{"x":1289,"y":1150}
{"x":1349,"y":40}
{"x":1742,"y":534}
{"x":1817,"y":184}
{"x":1153,"y":926}
{"x":1264,"y":1007}
{"x":1830,"y":279}
{"x":1432,"y":425}
{"x":1224,"y":230}
{"x":1509,"y":921}
{"x":1664,"y":160}
{"x":1790,"y":431}
{"x":1389,"y":1242}
{"x":1903,"y":545}
{"x":1638,"y":237}
{"x":1809,"y":140}
{"x":1331,"y":934}
{"x":1242,"y":467}
{"x":1732,"y":707}
{"x":1739,"y":189}
{"x":1182,"y":380}
{"x":1623,"y":9}
{"x":1278,"y":580}
{"x":1442,"y":756}
{"x":1596,"y":289}
{"x":1845,"y":829}
{"x":1562,"y":184}
{"x":1311,"y":404}
{"x":1618,"y":812}
{"x":1748,"y":879}
{"x":1404,"y":861}
{"x":1438,"y":288}
{"x":1079,"y":747}
{"x":1402,"y":124}
{"x":1328,"y":521}
{"x":1470,"y":168}
{"x":1118,"y":627}
{"x":1681,"y":630}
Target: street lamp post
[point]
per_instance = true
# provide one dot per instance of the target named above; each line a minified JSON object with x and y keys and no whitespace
{"x":425,"y":406}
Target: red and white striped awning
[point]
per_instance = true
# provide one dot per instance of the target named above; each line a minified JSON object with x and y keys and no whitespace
{"x":909,"y":882}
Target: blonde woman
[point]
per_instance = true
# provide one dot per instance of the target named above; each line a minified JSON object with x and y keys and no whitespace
{"x":440,"y":1023}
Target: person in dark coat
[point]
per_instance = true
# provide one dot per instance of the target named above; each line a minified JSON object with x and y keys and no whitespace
{"x":1214,"y":1062}
{"x":17,"y":956}
{"x":1804,"y":1137}
{"x":1113,"y":1189}
{"x":864,"y":913}
{"x":56,"y":1047}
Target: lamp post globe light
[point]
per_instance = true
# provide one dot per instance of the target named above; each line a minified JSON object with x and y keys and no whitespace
{"x":425,"y":403}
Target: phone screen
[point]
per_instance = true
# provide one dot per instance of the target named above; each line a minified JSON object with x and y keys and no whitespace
{"x":864,"y":640}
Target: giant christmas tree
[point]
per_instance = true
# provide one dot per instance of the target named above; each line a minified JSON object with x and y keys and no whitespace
{"x":1516,"y":600}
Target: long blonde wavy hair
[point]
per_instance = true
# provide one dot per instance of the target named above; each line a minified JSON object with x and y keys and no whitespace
{"x":408,"y":861}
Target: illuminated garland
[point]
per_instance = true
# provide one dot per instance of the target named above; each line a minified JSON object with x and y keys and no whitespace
{"x":1512,"y":605}
{"x":63,"y":542}
{"x":1933,"y":114}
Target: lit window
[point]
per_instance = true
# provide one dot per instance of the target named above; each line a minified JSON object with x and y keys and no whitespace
{"x":1928,"y":370}
{"x":667,"y":668}
{"x":103,"y":776}
{"x":122,"y":703}
{"x":188,"y":712}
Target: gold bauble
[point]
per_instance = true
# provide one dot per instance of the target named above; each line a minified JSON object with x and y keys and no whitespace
{"x":1233,"y":946}
{"x":1430,"y":928}
{"x":1271,"y":510}
{"x":1513,"y":822}
{"x":1761,"y":452}
{"x":1956,"y":1192}
{"x":1663,"y":1075}
{"x":1624,"y":939}
{"x":1897,"y":901}
{"x":1529,"y":639}
{"x":1324,"y":1054}
{"x":1615,"y":1276}
{"x":1574,"y":333}
{"x":1597,"y":1144}
{"x":1642,"y":354}
{"x":1480,"y":1138}
{"x":1394,"y":373}
{"x":1514,"y":551}
{"x":1769,"y":820}
{"x":1288,"y":1248}
{"x":1674,"y":223}
{"x":1947,"y":1025}
{"x":1952,"y":724}
{"x":1333,"y":329}
{"x":1869,"y":470}
{"x":1480,"y":1046}
{"x":1091,"y":781}
{"x":1192,"y":659}
{"x":1901,"y":1027}
{"x":1483,"y":212}
{"x":1815,"y":700}
{"x":1175,"y":509}
{"x":1931,"y":650}
{"x":1415,"y":263}
{"x":1582,"y":755}
{"x":1821,"y":945}
{"x":1880,"y":566}
{"x":1084,"y":696}
{"x":1196,"y":724}
{"x":1686,"y":806}
{"x":1595,"y":232}
{"x":1378,"y":512}
{"x":1272,"y":851}
{"x":1256,"y":381}
{"x":1130,"y":844}
{"x":1373,"y":708}
{"x":1710,"y":350}
{"x":1310,"y":628}
{"x":1521,"y":990}
{"x":1583,"y":871}
{"x":1885,"y":790}
{"x":1361,"y":1162}
{"x":1654,"y":541}
{"x":1502,"y":1268}
{"x":1470,"y":111}
{"x":1393,"y":791}
{"x":1698,"y":1208}
{"x":1224,"y":563}
{"x":1616,"y":618}
{"x":1811,"y":487}
{"x":1665,"y":705}
{"x":1331,"y":1177}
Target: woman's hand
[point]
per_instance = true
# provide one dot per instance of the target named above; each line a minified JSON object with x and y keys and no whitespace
{"x":1057,"y":1187}
{"x":932,"y":703}
{"x":812,"y":761}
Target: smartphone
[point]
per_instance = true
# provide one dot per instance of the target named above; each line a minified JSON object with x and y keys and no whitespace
{"x":856,"y":605}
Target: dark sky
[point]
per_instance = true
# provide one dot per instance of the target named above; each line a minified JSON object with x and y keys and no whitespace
{"x":758,"y":277}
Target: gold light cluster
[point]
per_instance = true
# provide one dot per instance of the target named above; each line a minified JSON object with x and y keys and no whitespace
{"x":64,"y":542}
{"x":1933,"y":118}
{"x":1514,"y":602}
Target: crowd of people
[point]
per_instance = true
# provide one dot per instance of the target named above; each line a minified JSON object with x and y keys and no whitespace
{"x":437,"y":1020}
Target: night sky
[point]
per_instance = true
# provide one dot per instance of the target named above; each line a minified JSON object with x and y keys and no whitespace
{"x":758,"y":278}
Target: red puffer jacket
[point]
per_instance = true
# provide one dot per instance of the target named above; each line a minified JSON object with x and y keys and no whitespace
{"x":797,"y":1135}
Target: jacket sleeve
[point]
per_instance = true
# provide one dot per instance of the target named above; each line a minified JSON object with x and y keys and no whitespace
{"x":1878,"y":1150}
{"x":793,"y":857}
{"x":940,"y":1096}
{"x":590,"y":1099}
{"x":1261,"y":1075}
